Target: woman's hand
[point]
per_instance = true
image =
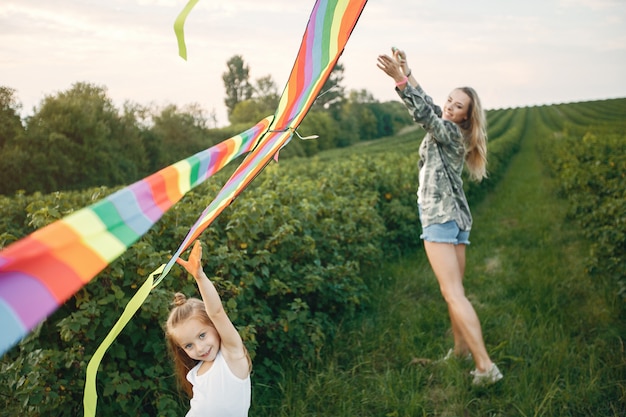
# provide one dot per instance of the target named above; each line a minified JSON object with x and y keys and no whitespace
{"x":400,"y":56}
{"x":391,"y":67}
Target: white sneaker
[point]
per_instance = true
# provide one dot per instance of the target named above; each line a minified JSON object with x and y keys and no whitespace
{"x":491,"y":376}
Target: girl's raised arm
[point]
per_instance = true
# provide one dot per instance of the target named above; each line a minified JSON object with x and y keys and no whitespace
{"x":231,"y":343}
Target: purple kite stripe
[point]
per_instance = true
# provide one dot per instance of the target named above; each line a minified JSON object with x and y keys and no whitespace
{"x":17,"y":287}
{"x":145,"y":199}
{"x":125,"y":201}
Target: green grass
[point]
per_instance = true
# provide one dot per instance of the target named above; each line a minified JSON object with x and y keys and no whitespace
{"x":556,"y":335}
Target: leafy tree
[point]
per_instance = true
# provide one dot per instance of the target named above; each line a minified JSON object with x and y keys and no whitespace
{"x":14,"y":172}
{"x":249,"y":112}
{"x":319,"y":123}
{"x":212,"y":119}
{"x":11,"y":130}
{"x":153,"y":145}
{"x":236,"y":82}
{"x":391,"y":117}
{"x":10,"y":122}
{"x":267,"y":91}
{"x":178,"y":133}
{"x":84,"y":140}
{"x":137,"y":123}
{"x":263,"y":103}
{"x":266,"y":94}
{"x":362,"y":117}
{"x":55,"y":142}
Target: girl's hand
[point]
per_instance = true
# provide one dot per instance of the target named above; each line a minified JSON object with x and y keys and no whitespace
{"x":194,"y":264}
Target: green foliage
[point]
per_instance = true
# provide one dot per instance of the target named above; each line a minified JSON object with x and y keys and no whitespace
{"x":77,"y":139}
{"x":555,"y":332}
{"x":236,"y":82}
{"x":288,"y":259}
{"x":178,"y":133}
{"x":250,"y":111}
{"x":74,"y":139}
{"x":359,"y":120}
{"x":261,"y":104}
{"x":500,"y":149}
{"x":10,"y":124}
{"x":318,"y":123}
{"x":589,"y":162}
{"x":291,"y":258}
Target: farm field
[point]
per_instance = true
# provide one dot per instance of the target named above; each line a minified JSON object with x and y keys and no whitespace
{"x":555,"y":331}
{"x":321,"y":265}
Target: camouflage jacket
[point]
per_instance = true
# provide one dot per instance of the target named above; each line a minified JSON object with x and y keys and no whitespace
{"x":440,"y":193}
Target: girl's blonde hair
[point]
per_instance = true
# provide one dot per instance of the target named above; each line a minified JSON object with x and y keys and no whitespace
{"x":475,"y":131}
{"x":185,"y":309}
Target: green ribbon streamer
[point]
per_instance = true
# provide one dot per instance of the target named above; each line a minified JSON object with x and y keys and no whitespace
{"x":179,"y":28}
{"x":90,"y":396}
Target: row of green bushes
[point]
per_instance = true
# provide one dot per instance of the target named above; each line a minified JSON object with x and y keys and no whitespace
{"x":589,"y":162}
{"x":499,"y":121}
{"x":290,"y":258}
{"x":501,"y":148}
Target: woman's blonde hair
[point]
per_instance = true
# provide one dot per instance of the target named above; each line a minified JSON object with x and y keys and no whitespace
{"x":185,"y":309}
{"x":475,"y":132}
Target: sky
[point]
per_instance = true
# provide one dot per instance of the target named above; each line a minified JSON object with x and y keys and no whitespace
{"x":514,"y":53}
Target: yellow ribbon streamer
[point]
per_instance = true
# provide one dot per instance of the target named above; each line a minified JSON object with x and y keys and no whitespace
{"x":179,"y":25}
{"x":90,"y":396}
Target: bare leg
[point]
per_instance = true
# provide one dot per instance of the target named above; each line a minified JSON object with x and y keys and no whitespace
{"x":448,"y":268}
{"x":460,"y":346}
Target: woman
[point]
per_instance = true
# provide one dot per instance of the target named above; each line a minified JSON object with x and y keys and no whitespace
{"x":454,"y":137}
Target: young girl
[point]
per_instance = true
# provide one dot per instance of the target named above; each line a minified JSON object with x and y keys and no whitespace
{"x":211,"y":362}
{"x":454,"y":137}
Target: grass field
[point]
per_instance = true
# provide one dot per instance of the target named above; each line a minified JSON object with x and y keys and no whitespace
{"x":556,"y":335}
{"x":548,"y":298}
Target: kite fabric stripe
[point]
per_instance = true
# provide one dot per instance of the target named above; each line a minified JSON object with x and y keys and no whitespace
{"x":41,"y":271}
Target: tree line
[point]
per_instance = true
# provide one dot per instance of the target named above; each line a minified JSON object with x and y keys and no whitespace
{"x":78,"y":138}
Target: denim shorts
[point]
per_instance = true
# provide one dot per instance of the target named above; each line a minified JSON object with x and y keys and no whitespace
{"x":447,"y":232}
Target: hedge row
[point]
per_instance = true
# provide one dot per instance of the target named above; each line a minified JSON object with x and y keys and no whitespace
{"x":589,"y":163}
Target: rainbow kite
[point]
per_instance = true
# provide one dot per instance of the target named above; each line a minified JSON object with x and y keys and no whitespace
{"x":41,"y":271}
{"x":50,"y":265}
{"x":326,"y":35}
